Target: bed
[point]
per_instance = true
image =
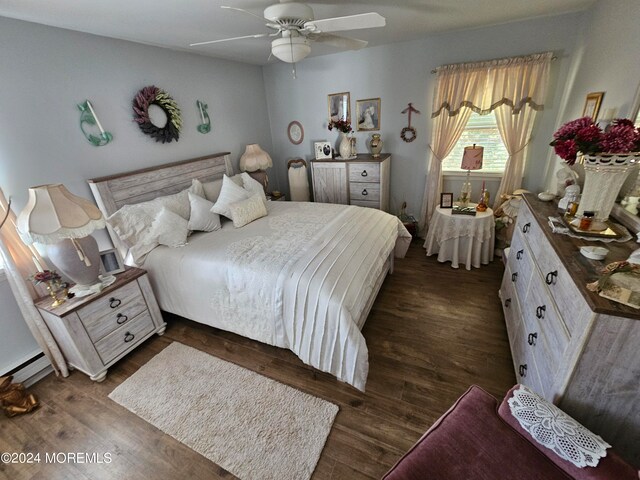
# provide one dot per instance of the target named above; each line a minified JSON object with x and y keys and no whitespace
{"x":304,"y":277}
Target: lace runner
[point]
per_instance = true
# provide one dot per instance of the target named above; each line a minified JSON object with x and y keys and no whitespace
{"x":554,"y":429}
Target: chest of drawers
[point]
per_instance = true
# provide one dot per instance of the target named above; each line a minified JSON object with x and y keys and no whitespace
{"x":575,"y":348}
{"x":363,"y":181}
{"x":96,"y":331}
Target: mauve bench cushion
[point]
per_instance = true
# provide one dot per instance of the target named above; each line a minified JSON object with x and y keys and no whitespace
{"x":610,"y":467}
{"x":470,"y":441}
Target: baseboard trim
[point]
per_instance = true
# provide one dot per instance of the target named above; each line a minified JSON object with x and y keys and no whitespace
{"x":32,"y":370}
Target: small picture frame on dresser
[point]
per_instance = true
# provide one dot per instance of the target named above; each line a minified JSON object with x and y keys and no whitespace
{"x":111,"y":262}
{"x":446,"y":200}
{"x":322,"y":150}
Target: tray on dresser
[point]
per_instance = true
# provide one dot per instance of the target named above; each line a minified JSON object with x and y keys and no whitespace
{"x":608,"y":229}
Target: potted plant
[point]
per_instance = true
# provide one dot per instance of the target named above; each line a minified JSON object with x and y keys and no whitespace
{"x":344,"y":127}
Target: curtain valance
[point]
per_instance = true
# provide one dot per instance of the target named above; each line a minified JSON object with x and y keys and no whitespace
{"x":484,"y":86}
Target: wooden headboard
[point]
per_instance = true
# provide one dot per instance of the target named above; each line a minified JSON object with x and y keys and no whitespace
{"x":115,"y":191}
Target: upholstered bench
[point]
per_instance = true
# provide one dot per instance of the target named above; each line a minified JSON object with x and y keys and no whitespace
{"x":478,"y":440}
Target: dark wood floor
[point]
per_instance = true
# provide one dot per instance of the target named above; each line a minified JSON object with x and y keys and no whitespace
{"x":433,"y":332}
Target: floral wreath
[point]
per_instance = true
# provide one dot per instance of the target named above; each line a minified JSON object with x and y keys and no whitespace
{"x":153,"y":95}
{"x":411,"y":131}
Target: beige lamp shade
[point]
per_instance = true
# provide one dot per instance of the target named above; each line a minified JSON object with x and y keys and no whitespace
{"x":472,"y":158}
{"x":254,"y":158}
{"x":53,"y":214}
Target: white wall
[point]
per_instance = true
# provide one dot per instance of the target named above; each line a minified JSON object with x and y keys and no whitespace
{"x":609,"y":61}
{"x":47,"y":71}
{"x":400,"y":73}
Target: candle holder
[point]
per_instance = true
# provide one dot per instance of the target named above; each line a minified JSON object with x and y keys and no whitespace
{"x":88,"y":116}
{"x":58,"y":291}
{"x":205,"y":126}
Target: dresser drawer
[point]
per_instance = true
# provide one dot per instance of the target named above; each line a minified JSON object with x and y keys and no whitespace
{"x":125,"y":337}
{"x":364,"y":203}
{"x":103,"y":306}
{"x":364,"y":191}
{"x":531,"y":232}
{"x":99,"y":327}
{"x":521,"y":265}
{"x":364,"y":172}
{"x":511,"y":308}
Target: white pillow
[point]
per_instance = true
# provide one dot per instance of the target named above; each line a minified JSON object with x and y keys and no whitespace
{"x":253,"y":186}
{"x":230,"y":193}
{"x":212,"y":190}
{"x":168,"y":228}
{"x":197,"y":187}
{"x":202,"y":218}
{"x":246,"y":211}
{"x":132,"y":221}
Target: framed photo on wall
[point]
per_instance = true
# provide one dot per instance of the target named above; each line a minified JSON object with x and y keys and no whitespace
{"x":446,"y":200}
{"x":592,"y":105}
{"x":368,"y":114}
{"x":111,"y":262}
{"x":339,"y":106}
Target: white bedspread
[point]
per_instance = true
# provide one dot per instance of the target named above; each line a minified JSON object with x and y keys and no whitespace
{"x":299,"y":278}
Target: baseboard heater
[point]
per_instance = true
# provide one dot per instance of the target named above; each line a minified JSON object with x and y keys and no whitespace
{"x":30,"y":370}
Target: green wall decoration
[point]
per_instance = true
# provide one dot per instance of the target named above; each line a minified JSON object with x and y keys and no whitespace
{"x":153,"y":95}
{"x":88,"y":117}
{"x":205,"y":126}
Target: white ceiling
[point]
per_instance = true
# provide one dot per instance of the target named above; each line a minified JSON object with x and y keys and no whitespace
{"x":175,"y":24}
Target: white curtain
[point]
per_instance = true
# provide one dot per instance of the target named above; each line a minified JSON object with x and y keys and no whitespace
{"x":19,"y":265}
{"x":514,"y":87}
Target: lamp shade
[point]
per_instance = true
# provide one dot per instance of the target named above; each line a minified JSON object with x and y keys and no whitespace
{"x":472,"y":158}
{"x":53,"y":214}
{"x":290,"y":49}
{"x":254,"y":158}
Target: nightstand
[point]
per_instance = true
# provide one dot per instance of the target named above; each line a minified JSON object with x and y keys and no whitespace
{"x":96,"y":331}
{"x":281,"y":198}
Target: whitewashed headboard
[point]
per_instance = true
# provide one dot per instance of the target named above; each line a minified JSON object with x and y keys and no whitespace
{"x":114,"y":191}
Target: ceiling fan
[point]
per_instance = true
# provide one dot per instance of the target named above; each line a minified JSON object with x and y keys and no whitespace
{"x":295,"y":26}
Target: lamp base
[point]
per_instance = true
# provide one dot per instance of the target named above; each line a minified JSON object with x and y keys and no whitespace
{"x":261,"y":177}
{"x":65,"y":258}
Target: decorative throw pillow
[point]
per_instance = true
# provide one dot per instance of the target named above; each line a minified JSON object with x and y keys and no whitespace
{"x":168,"y":228}
{"x":202,"y":218}
{"x":197,"y":187}
{"x":230,"y":193}
{"x":212,"y":190}
{"x":246,"y":211}
{"x":252,"y":186}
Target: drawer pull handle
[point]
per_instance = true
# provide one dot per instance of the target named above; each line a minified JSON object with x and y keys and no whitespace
{"x":526,"y":227}
{"x":121,"y":319}
{"x":551,"y":277}
{"x":364,"y":192}
{"x":507,"y":302}
{"x":519,"y":254}
{"x":540,"y":311}
{"x":128,"y":337}
{"x":114,"y":302}
{"x":514,"y":276}
{"x":522,"y":370}
{"x":364,"y":173}
{"x":532,"y":338}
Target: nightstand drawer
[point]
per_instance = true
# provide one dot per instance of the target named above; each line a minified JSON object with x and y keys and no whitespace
{"x":109,"y":303}
{"x":99,"y":326}
{"x":364,"y":191}
{"x":364,"y":172}
{"x":125,"y":337}
{"x":363,"y":203}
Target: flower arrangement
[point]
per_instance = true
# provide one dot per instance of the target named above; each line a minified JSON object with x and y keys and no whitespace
{"x":342,"y":125}
{"x":584,"y":136}
{"x":45,"y":276}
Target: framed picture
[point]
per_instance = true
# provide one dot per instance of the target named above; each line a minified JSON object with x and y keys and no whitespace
{"x":339,"y":106}
{"x":322,"y":150}
{"x":368,"y":114}
{"x":446,"y":200}
{"x":111,"y":262}
{"x":592,"y":105}
{"x":295,"y":132}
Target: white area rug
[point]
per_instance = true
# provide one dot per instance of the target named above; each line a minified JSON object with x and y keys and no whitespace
{"x":252,"y":426}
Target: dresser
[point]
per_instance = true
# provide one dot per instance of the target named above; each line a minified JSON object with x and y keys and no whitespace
{"x":96,"y":331}
{"x":575,"y":348}
{"x":363,"y":181}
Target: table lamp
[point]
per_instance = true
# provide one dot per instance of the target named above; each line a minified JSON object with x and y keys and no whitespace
{"x":63,"y":222}
{"x":254,"y":161}
{"x":471,"y":160}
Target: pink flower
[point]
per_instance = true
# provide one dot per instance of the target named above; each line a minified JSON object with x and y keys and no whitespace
{"x":620,"y":138}
{"x":567,"y":150}
{"x":569,"y":129}
{"x":592,"y":133}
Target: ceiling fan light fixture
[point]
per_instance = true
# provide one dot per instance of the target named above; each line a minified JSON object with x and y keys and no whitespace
{"x":290,"y":49}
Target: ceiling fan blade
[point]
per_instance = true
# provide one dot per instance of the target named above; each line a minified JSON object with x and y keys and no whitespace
{"x":350,"y":22}
{"x":259,"y":17}
{"x":258,"y":35}
{"x":338,"y":41}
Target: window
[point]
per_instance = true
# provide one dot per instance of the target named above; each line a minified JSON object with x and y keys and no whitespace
{"x":481,"y":130}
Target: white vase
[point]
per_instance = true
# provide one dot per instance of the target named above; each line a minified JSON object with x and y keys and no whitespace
{"x":345,"y":146}
{"x":604,"y":176}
